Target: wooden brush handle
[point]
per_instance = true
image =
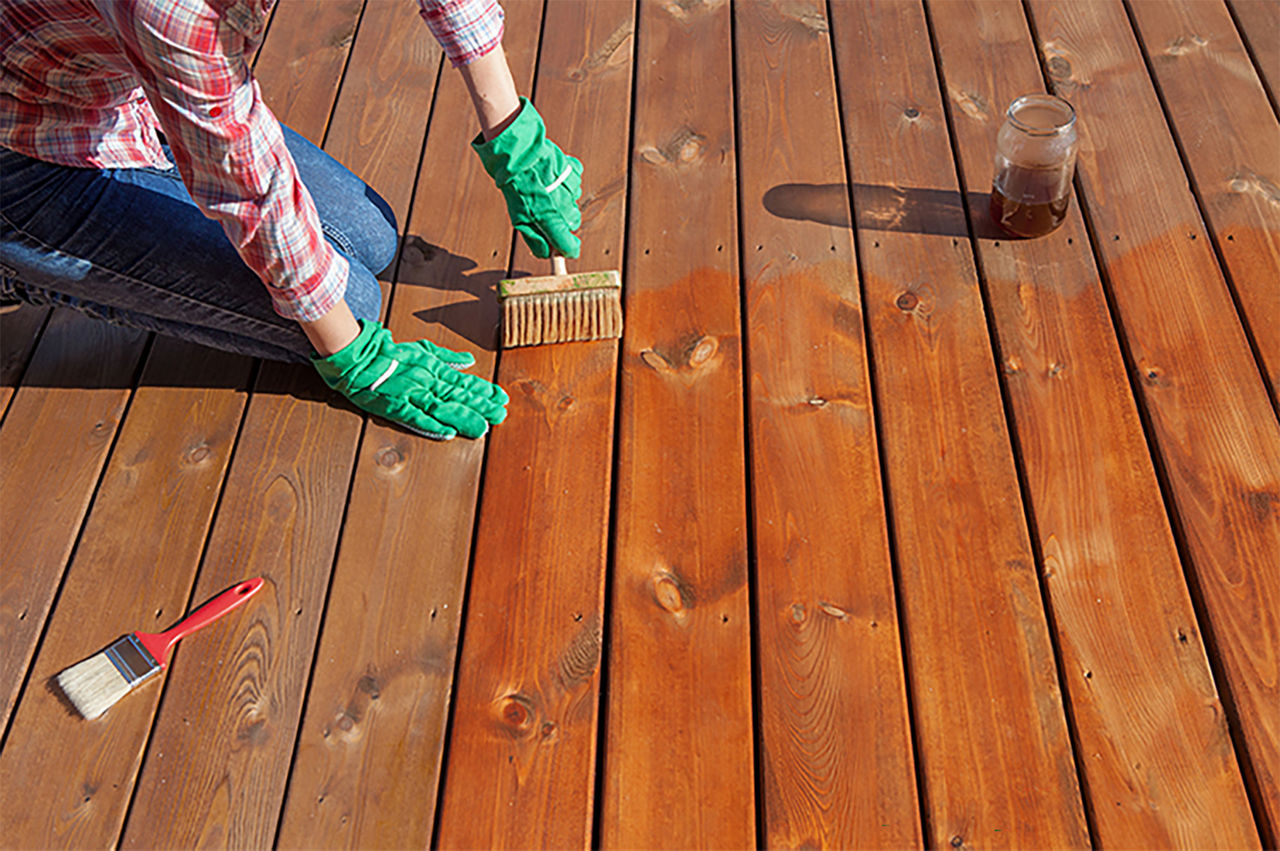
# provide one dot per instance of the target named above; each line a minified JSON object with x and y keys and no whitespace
{"x":557,"y":265}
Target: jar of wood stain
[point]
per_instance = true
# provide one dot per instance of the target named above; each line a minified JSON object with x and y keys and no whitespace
{"x":1035,"y":158}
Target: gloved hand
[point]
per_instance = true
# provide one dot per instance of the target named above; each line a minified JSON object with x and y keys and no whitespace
{"x":415,"y":385}
{"x":540,"y":182}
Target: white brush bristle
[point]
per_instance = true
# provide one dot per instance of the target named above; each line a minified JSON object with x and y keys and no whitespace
{"x":561,"y":317}
{"x":93,"y":686}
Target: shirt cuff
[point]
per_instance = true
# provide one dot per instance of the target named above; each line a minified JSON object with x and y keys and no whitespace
{"x":312,"y":299}
{"x":466,"y":29}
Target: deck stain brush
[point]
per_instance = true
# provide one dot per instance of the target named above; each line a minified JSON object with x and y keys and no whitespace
{"x":96,"y":684}
{"x":560,"y":308}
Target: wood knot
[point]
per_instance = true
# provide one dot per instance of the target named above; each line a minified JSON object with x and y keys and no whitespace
{"x":912,"y":113}
{"x":907,"y":302}
{"x":672,"y":595}
{"x":797,"y":612}
{"x":703,"y":351}
{"x":389,"y":458}
{"x":565,"y":403}
{"x":197,"y":454}
{"x":1059,"y":68}
{"x":517,"y":714}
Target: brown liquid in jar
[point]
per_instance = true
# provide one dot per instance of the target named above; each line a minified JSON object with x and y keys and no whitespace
{"x":1033,"y":210}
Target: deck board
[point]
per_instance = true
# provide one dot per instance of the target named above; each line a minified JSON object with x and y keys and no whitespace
{"x":678,"y":762}
{"x":985,"y":566}
{"x":522,"y":754}
{"x":837,"y":768}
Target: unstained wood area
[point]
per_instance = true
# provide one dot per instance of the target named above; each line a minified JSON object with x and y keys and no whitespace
{"x":877,"y":528}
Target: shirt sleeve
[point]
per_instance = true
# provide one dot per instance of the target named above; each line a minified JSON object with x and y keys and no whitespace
{"x":466,"y":29}
{"x":193,"y":61}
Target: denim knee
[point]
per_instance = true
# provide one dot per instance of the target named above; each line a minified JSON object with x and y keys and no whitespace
{"x":364,"y":294}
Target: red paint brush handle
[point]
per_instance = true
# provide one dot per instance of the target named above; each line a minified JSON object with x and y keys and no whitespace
{"x":159,"y":644}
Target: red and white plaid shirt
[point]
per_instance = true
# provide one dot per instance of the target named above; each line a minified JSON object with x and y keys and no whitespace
{"x":87,"y":83}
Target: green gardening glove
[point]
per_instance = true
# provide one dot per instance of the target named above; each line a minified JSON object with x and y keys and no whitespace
{"x":540,"y":182}
{"x":415,"y":385}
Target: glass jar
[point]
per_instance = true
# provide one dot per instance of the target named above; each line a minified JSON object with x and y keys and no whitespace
{"x":1035,"y":158}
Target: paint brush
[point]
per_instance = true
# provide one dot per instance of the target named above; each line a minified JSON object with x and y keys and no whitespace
{"x":560,"y":307}
{"x":94,"y":685}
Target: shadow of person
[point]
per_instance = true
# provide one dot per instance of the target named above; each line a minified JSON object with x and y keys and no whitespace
{"x":884,"y":208}
{"x":470,"y":302}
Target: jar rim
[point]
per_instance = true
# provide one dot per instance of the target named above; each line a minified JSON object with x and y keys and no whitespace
{"x":1042,"y":100}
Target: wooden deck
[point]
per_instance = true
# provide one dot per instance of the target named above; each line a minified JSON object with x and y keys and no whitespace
{"x":877,"y":529}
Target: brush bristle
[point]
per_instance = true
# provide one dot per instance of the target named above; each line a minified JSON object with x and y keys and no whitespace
{"x":561,"y":317}
{"x":94,"y":685}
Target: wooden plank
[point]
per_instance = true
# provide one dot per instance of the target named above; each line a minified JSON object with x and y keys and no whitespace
{"x":134,"y":569}
{"x":521,"y":764}
{"x":304,"y":58}
{"x":20,"y":329}
{"x":1231,"y":141}
{"x":836,"y":759}
{"x":1259,"y":25}
{"x":1159,"y":771}
{"x":214,"y":772}
{"x":1213,"y":425}
{"x":992,"y":738}
{"x":678,"y":765}
{"x":369,"y":753}
{"x":56,"y":436}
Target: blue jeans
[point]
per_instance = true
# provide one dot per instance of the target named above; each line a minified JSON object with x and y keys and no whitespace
{"x":128,"y":245}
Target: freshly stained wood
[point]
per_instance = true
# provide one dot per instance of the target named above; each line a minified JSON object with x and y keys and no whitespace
{"x":1162,"y":775}
{"x":1259,"y":24}
{"x":679,"y":757}
{"x":522,"y":753}
{"x":234,"y":700}
{"x":133,"y":571}
{"x":1215,"y":432}
{"x":369,"y":753}
{"x":990,"y":729}
{"x":20,"y":329}
{"x":1231,"y":140}
{"x":55,"y":439}
{"x":837,"y":768}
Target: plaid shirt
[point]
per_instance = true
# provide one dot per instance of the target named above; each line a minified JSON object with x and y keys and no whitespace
{"x":88,"y":83}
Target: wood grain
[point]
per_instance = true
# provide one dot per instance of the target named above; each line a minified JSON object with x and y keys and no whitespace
{"x":20,"y":329}
{"x":522,"y":752}
{"x":990,"y":729}
{"x":1259,"y":24}
{"x":134,"y":570}
{"x":303,"y":60}
{"x":837,"y":762}
{"x":679,"y":764}
{"x":55,"y":439}
{"x":1159,"y":770}
{"x":1231,"y":141}
{"x":1215,"y":432}
{"x":369,"y":752}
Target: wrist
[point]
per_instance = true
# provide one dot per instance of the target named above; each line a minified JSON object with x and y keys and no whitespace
{"x":332,"y":332}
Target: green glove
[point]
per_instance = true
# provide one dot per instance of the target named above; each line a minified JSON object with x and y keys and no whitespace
{"x":540,"y":182}
{"x":416,"y":385}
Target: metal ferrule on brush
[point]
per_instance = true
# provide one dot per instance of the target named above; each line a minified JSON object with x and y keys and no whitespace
{"x":132,"y":660}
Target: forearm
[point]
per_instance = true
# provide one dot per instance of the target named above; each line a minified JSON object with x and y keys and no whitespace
{"x":333,"y":331}
{"x":493,"y":91}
